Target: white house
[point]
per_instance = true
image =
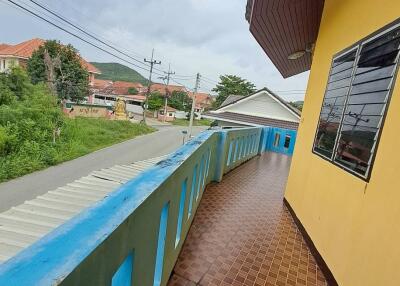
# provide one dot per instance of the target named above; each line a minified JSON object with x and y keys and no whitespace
{"x":263,"y":108}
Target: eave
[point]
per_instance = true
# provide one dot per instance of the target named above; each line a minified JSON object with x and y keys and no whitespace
{"x":283,"y":27}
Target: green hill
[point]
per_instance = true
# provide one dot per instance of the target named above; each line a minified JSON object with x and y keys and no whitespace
{"x":116,"y":71}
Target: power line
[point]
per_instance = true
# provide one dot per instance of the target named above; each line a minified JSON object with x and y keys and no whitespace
{"x":209,"y":79}
{"x":84,"y":31}
{"x":152,"y":62}
{"x":67,"y":3}
{"x":74,"y":35}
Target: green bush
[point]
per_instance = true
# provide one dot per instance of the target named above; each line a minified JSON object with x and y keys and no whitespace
{"x":29,"y":116}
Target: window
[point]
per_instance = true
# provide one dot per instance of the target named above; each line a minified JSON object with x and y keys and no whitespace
{"x":355,"y":102}
{"x":277,"y":139}
{"x":287,"y":142}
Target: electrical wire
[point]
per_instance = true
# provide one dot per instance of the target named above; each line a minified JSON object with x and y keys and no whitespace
{"x":85,"y":32}
{"x":76,"y":36}
{"x":79,"y":29}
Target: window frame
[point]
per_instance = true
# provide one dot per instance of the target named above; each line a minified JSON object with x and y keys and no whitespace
{"x":374,"y":150}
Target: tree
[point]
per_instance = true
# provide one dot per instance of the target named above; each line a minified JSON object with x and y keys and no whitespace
{"x":297,"y":104}
{"x":232,"y":85}
{"x":132,"y":91}
{"x":71,"y":79}
{"x":180,"y":100}
{"x":155,"y":101}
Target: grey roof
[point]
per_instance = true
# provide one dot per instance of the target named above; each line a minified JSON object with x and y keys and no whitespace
{"x":22,"y":225}
{"x":231,"y":99}
{"x":251,"y":120}
{"x":238,"y":98}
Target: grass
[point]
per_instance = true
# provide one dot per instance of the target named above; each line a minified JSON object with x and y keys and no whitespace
{"x":197,"y":122}
{"x":79,"y":137}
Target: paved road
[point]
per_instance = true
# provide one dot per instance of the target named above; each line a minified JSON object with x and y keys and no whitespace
{"x":162,"y":142}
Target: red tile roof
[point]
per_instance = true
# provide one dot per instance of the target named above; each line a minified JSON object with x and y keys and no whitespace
{"x":202,"y":99}
{"x":101,"y":83}
{"x":25,"y":50}
{"x":89,"y":67}
{"x":122,"y":87}
{"x":136,"y":97}
{"x":3,"y":46}
{"x":160,"y":87}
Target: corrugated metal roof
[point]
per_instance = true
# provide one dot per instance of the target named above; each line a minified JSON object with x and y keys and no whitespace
{"x":22,"y":225}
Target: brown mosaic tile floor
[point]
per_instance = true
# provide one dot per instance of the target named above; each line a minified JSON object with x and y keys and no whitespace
{"x":243,"y":234}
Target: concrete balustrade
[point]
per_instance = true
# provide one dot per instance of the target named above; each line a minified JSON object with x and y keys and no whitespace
{"x":134,"y":236}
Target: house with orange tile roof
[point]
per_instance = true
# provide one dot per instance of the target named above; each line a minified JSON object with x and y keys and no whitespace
{"x":204,"y":101}
{"x":106,"y":92}
{"x":162,"y":89}
{"x":18,"y":55}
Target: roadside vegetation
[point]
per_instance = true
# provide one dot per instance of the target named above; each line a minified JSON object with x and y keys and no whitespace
{"x":197,"y":122}
{"x":34,"y":133}
{"x":231,"y":85}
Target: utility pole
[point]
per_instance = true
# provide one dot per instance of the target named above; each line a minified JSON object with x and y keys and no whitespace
{"x":152,"y":62}
{"x":196,"y":88}
{"x":168,"y":74}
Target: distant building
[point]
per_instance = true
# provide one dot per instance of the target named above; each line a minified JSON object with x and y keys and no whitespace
{"x":204,"y":101}
{"x":169,"y":115}
{"x":263,"y":108}
{"x":18,"y":55}
{"x":106,"y":92}
{"x":163,"y":90}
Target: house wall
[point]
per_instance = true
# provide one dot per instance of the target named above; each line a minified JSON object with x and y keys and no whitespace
{"x":354,"y":224}
{"x":6,"y":63}
{"x":229,"y":124}
{"x":262,"y":105}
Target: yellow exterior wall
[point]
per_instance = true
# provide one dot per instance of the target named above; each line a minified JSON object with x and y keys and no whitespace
{"x":354,"y":225}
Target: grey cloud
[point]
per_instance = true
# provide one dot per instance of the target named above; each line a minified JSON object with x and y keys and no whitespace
{"x":209,"y":36}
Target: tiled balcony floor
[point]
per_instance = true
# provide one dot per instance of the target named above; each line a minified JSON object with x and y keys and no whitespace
{"x":243,"y":234}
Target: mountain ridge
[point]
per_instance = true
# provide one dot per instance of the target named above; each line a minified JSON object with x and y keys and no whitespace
{"x":118,"y":72}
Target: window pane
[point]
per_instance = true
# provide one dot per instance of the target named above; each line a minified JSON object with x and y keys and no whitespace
{"x":380,"y":51}
{"x":354,"y":153}
{"x":341,"y":75}
{"x":365,"y":109}
{"x":375,"y":97}
{"x":343,"y":63}
{"x":363,"y":120}
{"x":374,"y":74}
{"x":383,"y":61}
{"x":339,"y":84}
{"x":382,"y":40}
{"x":326,"y":137}
{"x":359,"y":131}
{"x":378,"y":85}
{"x":333,"y":105}
{"x":337,"y":92}
{"x":335,"y":101}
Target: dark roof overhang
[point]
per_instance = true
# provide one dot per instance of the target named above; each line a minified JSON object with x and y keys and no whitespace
{"x":284,"y":27}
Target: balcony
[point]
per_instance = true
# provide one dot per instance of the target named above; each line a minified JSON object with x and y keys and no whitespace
{"x":243,"y":234}
{"x":212,"y":213}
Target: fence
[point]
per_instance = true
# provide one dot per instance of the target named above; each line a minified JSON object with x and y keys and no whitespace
{"x":134,"y":236}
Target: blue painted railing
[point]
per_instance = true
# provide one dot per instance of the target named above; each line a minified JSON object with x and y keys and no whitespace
{"x":134,"y":236}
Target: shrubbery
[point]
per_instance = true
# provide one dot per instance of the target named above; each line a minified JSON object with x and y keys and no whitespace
{"x":29,"y":117}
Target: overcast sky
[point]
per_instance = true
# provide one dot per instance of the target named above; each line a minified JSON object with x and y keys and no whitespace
{"x":207,"y":36}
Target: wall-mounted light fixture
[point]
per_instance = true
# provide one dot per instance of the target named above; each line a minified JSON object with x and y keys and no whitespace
{"x":296,"y":55}
{"x":299,"y":54}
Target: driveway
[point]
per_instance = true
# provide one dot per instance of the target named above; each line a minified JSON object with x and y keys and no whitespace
{"x":164,"y":141}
